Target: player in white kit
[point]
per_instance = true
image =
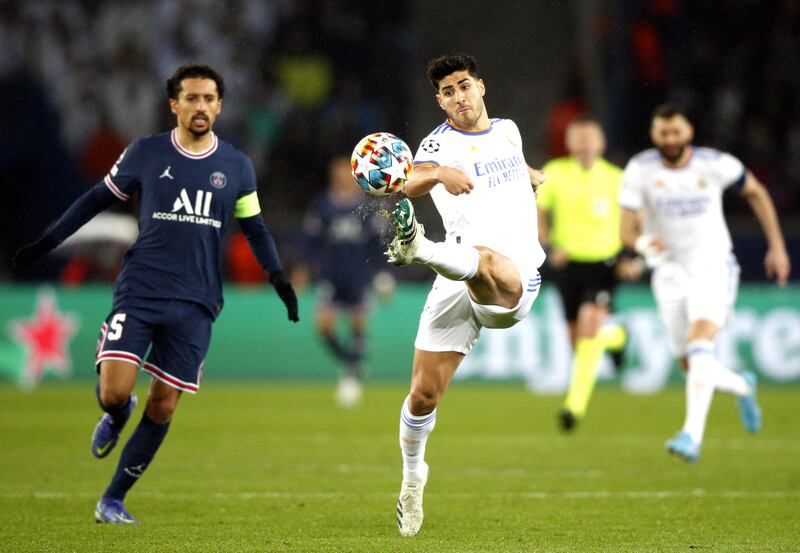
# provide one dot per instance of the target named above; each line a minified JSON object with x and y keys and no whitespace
{"x":475,"y":171}
{"x":672,"y":214}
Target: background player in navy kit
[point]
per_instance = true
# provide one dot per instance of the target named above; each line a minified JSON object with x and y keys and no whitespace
{"x":169,"y":290}
{"x":343,"y":251}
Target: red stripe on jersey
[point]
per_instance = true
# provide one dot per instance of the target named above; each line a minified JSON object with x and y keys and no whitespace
{"x":192,"y":155}
{"x":169,"y":379}
{"x":119,"y":356}
{"x":114,"y":190}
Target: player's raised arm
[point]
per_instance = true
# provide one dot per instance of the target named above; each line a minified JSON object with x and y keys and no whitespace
{"x":776,"y":261}
{"x":425,"y":177}
{"x":78,"y":214}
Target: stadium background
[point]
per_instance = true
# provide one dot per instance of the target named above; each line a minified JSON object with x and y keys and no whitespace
{"x":305,"y":80}
{"x":261,"y":459}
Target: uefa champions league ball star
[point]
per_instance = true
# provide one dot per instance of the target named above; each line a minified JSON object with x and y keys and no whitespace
{"x":381,"y":163}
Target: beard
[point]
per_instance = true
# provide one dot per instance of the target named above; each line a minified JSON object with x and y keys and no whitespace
{"x":201,"y":132}
{"x":672,"y":155}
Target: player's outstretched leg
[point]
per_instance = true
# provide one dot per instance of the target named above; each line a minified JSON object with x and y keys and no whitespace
{"x":106,"y":433}
{"x":138,"y":453}
{"x":452,"y":261}
{"x":414,"y":432}
{"x":701,"y":379}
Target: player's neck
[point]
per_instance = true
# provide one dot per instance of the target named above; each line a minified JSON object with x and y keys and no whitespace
{"x":192,"y":143}
{"x":681,"y":161}
{"x":481,"y":124}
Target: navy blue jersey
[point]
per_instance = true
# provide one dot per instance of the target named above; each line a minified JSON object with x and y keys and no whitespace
{"x":343,"y":244}
{"x":185,"y":202}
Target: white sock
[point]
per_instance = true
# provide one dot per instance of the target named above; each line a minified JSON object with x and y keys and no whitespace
{"x":700,"y":383}
{"x":414,"y":432}
{"x":452,"y":261}
{"x":728,"y":381}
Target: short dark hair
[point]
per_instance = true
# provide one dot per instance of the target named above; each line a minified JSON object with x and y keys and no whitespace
{"x":191,"y":72}
{"x":441,"y":67}
{"x":584,"y":119}
{"x":668,"y":111}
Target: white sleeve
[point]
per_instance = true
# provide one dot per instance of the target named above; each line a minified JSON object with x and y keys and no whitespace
{"x":730,"y":170}
{"x":631,"y":194}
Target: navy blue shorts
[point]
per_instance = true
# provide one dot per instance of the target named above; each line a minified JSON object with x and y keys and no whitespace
{"x":176,"y":333}
{"x":348,"y":297}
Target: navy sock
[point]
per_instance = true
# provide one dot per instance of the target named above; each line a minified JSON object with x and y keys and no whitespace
{"x":336,"y":347}
{"x":136,"y":456}
{"x":119,"y":413}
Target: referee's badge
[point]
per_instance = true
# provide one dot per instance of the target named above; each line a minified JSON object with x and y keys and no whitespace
{"x":218,"y":179}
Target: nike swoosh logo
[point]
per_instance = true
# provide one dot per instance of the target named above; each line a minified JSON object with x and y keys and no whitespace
{"x":122,"y":518}
{"x":102,"y":450}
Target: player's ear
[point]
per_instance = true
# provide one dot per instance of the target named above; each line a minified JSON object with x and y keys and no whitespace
{"x":482,"y":87}
{"x":173,"y":105}
{"x":439,"y":100}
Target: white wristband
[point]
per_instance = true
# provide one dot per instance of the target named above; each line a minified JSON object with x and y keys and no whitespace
{"x":644,"y":245}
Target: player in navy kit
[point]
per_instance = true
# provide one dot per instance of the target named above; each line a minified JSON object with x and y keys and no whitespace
{"x":343,"y":250}
{"x":169,"y":290}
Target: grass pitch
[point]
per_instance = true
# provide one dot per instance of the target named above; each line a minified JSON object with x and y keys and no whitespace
{"x":275,"y":467}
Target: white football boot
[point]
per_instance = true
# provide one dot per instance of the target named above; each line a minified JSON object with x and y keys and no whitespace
{"x":409,"y":504}
{"x":408,"y":234}
{"x":348,"y":392}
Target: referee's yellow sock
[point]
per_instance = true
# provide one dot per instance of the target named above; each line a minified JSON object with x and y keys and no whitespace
{"x":613,"y":336}
{"x":585,"y":364}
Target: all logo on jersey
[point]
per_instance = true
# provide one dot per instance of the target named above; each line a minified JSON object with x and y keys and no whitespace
{"x":218,"y":179}
{"x":430,"y":146}
{"x":188,"y":209}
{"x":202,"y":203}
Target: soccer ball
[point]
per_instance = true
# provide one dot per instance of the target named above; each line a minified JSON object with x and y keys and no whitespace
{"x":381,"y":163}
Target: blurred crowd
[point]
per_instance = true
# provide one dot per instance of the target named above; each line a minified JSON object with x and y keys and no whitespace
{"x":79,"y":79}
{"x":297,"y":74}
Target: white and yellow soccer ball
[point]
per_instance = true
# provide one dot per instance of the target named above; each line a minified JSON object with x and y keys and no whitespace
{"x":381,"y":163}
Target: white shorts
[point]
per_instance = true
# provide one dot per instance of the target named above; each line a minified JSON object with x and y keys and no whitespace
{"x":685,"y":294}
{"x":451,"y":320}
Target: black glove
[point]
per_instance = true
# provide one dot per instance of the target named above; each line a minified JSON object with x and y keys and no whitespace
{"x":285,"y":291}
{"x":28,"y":254}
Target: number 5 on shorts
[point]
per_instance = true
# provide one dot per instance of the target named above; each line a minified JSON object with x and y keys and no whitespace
{"x":115,"y":328}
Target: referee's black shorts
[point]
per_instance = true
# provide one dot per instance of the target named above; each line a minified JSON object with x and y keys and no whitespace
{"x":580,"y":282}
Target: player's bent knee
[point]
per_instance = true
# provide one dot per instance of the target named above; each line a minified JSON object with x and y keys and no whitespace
{"x":422,"y":401}
{"x":113,"y":397}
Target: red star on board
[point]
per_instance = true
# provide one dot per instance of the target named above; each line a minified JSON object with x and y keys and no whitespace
{"x":46,"y":337}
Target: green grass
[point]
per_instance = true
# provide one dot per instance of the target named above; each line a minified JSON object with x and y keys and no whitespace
{"x":262,"y":467}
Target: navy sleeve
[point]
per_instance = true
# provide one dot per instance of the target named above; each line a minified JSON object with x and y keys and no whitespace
{"x":261,"y":243}
{"x":123,"y":179}
{"x":81,"y":212}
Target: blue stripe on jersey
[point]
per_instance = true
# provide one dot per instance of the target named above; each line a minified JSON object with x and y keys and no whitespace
{"x":417,"y":162}
{"x":472,"y":133}
{"x":440,"y":129}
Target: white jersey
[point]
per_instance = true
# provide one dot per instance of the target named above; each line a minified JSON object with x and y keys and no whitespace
{"x":500,"y":211}
{"x":683,"y":206}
